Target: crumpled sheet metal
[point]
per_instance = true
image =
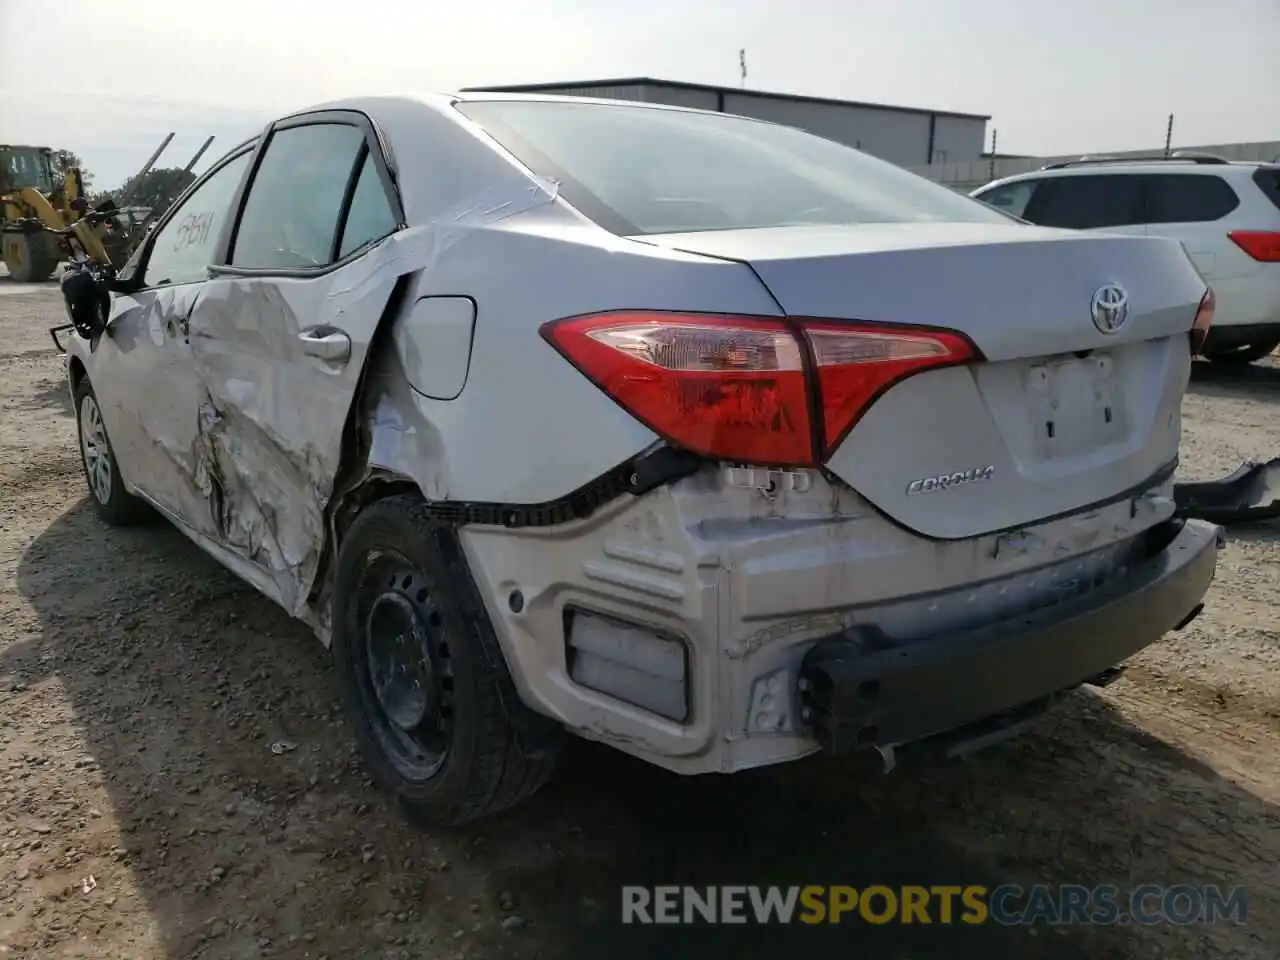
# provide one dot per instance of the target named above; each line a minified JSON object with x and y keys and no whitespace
{"x":401,"y":440}
{"x":267,"y":446}
{"x":420,"y":247}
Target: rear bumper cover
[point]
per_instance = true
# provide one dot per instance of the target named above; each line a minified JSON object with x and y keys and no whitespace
{"x":858,"y":698}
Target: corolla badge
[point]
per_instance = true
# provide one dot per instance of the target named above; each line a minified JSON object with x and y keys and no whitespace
{"x":949,"y":481}
{"x":1109,"y":308}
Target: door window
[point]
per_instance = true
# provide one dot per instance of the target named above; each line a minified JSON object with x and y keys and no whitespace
{"x":1188,"y":198}
{"x":1087,"y":202}
{"x":1011,"y":198}
{"x":290,"y":218}
{"x":370,"y":217}
{"x":184,"y":247}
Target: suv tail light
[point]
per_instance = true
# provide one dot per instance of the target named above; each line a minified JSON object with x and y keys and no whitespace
{"x":1204,"y":320}
{"x":748,"y":389}
{"x":1262,"y":245}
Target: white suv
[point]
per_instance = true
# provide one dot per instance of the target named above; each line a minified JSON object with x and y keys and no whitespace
{"x":1227,"y":215}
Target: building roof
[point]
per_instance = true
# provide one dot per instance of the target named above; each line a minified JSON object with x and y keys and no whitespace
{"x":680,"y":85}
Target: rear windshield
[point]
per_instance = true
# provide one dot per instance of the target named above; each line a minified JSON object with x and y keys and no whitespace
{"x":639,"y":170}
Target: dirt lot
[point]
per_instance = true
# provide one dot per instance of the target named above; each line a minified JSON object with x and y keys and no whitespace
{"x":142,"y":690}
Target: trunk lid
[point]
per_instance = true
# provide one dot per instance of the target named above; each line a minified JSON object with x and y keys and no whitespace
{"x":1061,"y":415}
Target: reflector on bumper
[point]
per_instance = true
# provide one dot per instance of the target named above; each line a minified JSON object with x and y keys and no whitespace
{"x":628,"y":662}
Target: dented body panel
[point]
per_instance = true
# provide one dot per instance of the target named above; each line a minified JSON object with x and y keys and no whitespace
{"x":147,"y":363}
{"x":502,"y":444}
{"x":271,"y":417}
{"x":261,"y":408}
{"x":753,"y":580}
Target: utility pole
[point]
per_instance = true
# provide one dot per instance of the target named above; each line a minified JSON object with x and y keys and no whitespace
{"x":742,"y":66}
{"x":991,"y":163}
{"x":1168,"y":137}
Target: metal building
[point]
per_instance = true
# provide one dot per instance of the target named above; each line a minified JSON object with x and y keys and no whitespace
{"x":909,"y":136}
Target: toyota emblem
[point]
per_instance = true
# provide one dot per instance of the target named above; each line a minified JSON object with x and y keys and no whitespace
{"x":1110,"y":308}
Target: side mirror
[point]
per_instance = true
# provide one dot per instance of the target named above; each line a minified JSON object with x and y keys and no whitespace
{"x":87,"y":300}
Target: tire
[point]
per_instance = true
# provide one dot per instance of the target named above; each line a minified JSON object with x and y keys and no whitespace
{"x":114,"y":504}
{"x":448,"y":736}
{"x":28,"y":258}
{"x":1241,"y":355}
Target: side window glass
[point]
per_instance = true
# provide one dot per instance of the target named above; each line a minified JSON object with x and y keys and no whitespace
{"x":370,"y":217}
{"x":184,"y":246}
{"x":1089,"y":202}
{"x":1011,"y":198}
{"x":290,"y":218}
{"x":1188,"y":198}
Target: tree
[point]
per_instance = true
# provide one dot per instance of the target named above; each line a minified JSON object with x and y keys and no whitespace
{"x":157,"y":188}
{"x":62,"y":161}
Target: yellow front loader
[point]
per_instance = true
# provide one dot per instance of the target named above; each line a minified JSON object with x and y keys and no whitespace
{"x":39,"y":219}
{"x":30,"y":202}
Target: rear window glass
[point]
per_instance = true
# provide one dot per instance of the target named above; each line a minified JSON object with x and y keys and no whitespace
{"x":640,"y":170}
{"x":1188,"y":198}
{"x":1268,"y":180}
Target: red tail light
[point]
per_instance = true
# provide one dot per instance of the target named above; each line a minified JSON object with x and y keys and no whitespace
{"x":857,"y":364}
{"x":743,"y":388}
{"x":1262,"y":245}
{"x":1204,"y":320}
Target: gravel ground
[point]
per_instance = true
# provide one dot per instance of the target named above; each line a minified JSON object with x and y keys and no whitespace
{"x":144,"y":814}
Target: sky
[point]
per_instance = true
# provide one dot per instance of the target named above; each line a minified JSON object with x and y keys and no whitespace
{"x":1057,"y":76}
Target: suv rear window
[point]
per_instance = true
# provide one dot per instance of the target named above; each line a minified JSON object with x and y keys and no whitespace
{"x":1188,"y":198}
{"x":1268,"y":181}
{"x":642,"y":170}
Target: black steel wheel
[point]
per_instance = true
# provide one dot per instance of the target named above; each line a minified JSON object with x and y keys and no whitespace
{"x":427,"y":691}
{"x":406,"y":678}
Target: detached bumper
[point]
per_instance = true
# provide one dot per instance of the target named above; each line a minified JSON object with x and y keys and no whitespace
{"x":859,"y":698}
{"x":1251,"y":493}
{"x":1241,"y":335}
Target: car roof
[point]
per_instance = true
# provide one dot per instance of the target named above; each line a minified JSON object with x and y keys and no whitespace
{"x":1120,"y":166}
{"x":404,"y":105}
{"x":477,"y":95}
{"x":423,"y":130}
{"x":413,"y":100}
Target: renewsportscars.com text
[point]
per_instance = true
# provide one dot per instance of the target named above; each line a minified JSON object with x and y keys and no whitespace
{"x":941,"y":904}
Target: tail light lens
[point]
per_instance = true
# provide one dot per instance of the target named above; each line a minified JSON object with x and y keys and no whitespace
{"x":744,"y":388}
{"x":1204,"y":320}
{"x":1262,"y":245}
{"x":728,"y":387}
{"x":857,"y":364}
